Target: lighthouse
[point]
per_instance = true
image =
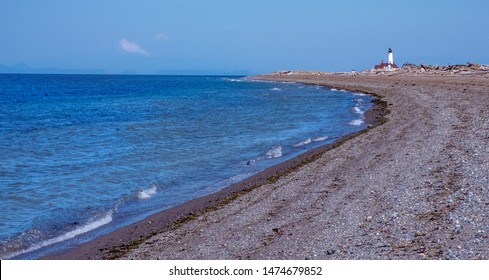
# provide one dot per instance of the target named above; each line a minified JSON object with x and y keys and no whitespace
{"x":390,"y":65}
{"x":390,"y":57}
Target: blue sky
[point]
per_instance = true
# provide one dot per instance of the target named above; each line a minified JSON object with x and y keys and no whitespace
{"x":258,"y":36}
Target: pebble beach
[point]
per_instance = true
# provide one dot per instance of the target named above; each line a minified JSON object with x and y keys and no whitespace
{"x":415,"y":185}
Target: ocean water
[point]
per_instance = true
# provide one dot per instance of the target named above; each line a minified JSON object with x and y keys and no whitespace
{"x":82,"y":155}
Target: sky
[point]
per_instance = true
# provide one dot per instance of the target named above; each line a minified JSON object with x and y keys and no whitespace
{"x":252,"y":36}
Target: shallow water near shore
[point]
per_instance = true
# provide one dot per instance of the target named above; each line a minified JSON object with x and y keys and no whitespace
{"x":83,"y":155}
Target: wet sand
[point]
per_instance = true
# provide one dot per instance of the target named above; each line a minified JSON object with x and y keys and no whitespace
{"x":413,"y":187}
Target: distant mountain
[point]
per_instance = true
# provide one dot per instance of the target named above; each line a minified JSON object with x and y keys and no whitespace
{"x":24,"y":68}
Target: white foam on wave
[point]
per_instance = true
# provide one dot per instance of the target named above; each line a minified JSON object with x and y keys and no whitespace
{"x":319,"y":139}
{"x":358,"y":94}
{"x":311,"y":140}
{"x":233,"y":80}
{"x":147,"y":193}
{"x":305,"y":142}
{"x":275,"y":152}
{"x":276,"y":89}
{"x":356,"y":122}
{"x":334,"y":89}
{"x":357,"y":110}
{"x":91,"y":225}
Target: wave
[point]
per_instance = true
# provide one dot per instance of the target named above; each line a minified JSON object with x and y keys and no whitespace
{"x":275,"y":152}
{"x":342,"y":90}
{"x":356,"y":122}
{"x":147,"y":193}
{"x":276,"y":89}
{"x":233,"y":79}
{"x":311,"y":140}
{"x":319,"y":139}
{"x":91,"y":225}
{"x":357,"y":110}
{"x":305,"y":142}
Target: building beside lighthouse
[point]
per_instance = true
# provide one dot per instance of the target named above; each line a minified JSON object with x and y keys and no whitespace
{"x":390,"y":65}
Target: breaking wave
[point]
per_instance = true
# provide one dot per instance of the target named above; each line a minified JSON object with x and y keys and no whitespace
{"x":147,"y":193}
{"x":232,"y":79}
{"x":358,"y":94}
{"x":357,"y":110}
{"x":356,"y":122}
{"x":305,"y":142}
{"x":319,"y":139}
{"x":275,"y":152}
{"x":311,"y":140}
{"x":91,"y":225}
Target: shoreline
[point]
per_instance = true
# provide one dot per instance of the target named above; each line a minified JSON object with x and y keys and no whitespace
{"x":115,"y":244}
{"x":415,"y":187}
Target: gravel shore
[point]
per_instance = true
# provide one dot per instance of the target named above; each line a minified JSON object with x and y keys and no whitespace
{"x":414,"y":187}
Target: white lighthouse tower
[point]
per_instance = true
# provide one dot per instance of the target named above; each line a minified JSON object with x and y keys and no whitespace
{"x":390,"y":57}
{"x":390,"y":65}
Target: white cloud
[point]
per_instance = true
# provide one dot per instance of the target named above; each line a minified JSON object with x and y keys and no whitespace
{"x":162,"y":37}
{"x":132,"y":47}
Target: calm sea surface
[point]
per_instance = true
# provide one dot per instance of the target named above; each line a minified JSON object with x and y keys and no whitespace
{"x":82,"y":155}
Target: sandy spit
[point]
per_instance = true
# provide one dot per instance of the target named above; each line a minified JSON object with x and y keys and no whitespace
{"x":415,"y":187}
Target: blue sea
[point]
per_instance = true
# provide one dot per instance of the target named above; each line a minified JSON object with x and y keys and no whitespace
{"x":82,"y":155}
